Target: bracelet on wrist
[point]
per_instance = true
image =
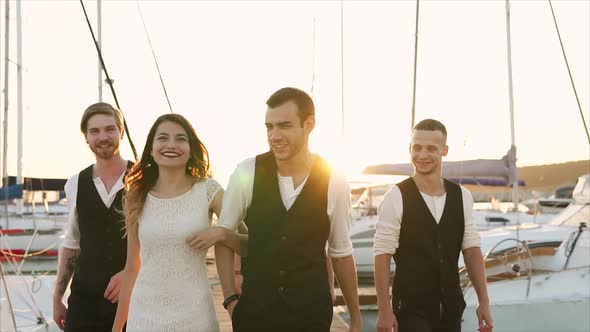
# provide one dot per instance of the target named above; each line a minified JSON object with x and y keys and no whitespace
{"x":230,"y":299}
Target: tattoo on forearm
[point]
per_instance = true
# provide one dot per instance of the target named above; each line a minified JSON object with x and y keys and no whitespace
{"x":62,"y":284}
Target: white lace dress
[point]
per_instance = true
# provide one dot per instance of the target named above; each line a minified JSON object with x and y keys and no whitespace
{"x":172,"y":291}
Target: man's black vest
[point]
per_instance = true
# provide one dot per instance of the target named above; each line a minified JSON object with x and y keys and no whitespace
{"x":103,"y":248}
{"x":426,"y":279}
{"x":286,"y":248}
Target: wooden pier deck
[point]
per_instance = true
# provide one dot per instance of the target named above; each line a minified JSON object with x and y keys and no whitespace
{"x":338,"y":324}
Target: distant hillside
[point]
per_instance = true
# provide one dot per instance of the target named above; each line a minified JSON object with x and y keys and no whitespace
{"x":541,"y":181}
{"x":549,"y":177}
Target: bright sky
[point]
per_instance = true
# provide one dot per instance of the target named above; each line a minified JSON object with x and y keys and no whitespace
{"x":221,"y":60}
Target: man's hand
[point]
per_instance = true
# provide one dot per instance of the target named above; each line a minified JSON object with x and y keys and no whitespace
{"x":484,"y":316}
{"x":205,"y":239}
{"x":230,"y":308}
{"x":113,"y":288}
{"x":355,"y":325}
{"x":59,"y":313}
{"x":386,"y":321}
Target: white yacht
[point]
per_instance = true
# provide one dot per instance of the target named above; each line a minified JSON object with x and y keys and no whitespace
{"x":541,"y":288}
{"x":548,"y":229}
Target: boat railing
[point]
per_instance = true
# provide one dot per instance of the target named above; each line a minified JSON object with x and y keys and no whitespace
{"x":571,"y":243}
{"x":519,"y":250}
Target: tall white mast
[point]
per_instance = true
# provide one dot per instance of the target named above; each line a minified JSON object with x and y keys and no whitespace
{"x":515,"y":197}
{"x":5,"y":121}
{"x":19,"y":101}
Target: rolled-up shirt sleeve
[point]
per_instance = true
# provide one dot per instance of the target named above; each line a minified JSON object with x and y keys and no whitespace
{"x":339,"y":243}
{"x":72,"y":236}
{"x":471,"y":237}
{"x":387,"y":229}
{"x":238,"y":195}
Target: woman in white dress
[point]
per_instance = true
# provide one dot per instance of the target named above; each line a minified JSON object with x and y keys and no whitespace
{"x":170,"y":196}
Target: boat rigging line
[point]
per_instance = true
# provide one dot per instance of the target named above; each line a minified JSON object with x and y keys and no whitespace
{"x":109,"y":80}
{"x":4,"y":289}
{"x":313,"y":60}
{"x":569,"y":71}
{"x":415,"y":65}
{"x":154,"y":56}
{"x":342,"y":66}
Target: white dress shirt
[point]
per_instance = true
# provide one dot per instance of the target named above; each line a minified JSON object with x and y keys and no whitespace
{"x":390,"y":220}
{"x":72,"y":238}
{"x":238,"y":197}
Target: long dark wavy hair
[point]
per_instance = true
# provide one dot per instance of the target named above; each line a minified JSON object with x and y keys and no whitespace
{"x":143,"y":175}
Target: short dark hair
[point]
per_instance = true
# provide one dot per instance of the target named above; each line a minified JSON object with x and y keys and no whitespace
{"x":431,"y":125}
{"x":305,"y":107}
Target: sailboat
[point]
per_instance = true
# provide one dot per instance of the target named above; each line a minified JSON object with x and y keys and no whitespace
{"x":537,"y":270}
{"x":483,"y":172}
{"x":26,"y":232}
{"x":555,"y":297}
{"x":538,"y":276}
{"x":498,"y":172}
{"x":29,"y":236}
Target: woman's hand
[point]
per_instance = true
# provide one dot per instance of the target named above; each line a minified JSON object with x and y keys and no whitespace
{"x":203,"y":240}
